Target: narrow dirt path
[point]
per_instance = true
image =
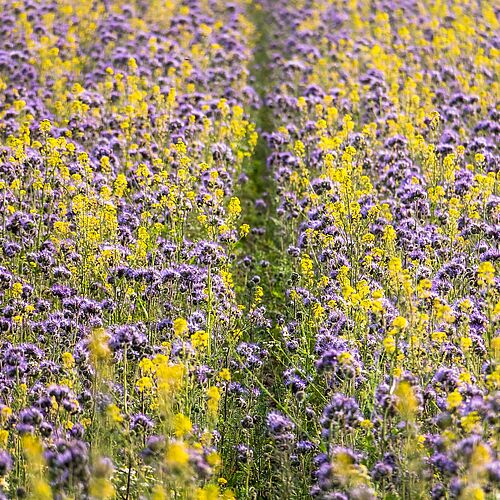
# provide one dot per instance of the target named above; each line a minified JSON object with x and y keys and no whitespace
{"x":269,"y":266}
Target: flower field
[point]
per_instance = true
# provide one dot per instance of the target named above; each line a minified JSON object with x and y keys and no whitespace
{"x":249,"y":249}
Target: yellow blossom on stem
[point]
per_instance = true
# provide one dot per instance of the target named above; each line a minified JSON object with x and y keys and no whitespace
{"x":180,"y":326}
{"x":182,"y":425}
{"x":400,"y":323}
{"x":225,"y":374}
{"x":454,"y":400}
{"x":407,"y":402}
{"x":389,"y":344}
{"x":486,"y":273}
{"x":177,"y":454}
{"x":214,"y":396}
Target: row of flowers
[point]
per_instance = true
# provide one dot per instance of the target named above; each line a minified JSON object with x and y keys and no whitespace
{"x":124,"y":136}
{"x":384,"y":155}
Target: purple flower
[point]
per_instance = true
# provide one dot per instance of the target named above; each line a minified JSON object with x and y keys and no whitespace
{"x":280,"y":427}
{"x":342,"y":413}
{"x":5,"y":463}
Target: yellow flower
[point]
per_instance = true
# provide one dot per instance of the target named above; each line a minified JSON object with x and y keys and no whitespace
{"x":496,"y":310}
{"x":306,"y":266}
{"x":465,"y":343}
{"x":318,"y":310}
{"x":45,"y":126}
{"x":213,"y":459}
{"x":42,"y":490}
{"x":244,"y":230}
{"x":98,"y":345}
{"x":299,"y":149}
{"x":495,"y":347}
{"x":454,"y":400}
{"x":182,"y":425}
{"x":465,"y":378}
{"x":389,"y":344}
{"x":180,"y":326}
{"x":158,"y":493}
{"x":32,"y":447}
{"x":259,"y":293}
{"x":439,"y":337}
{"x":29,"y":308}
{"x":225,"y":374}
{"x":146,"y":365}
{"x":465,"y":305}
{"x":213,"y":392}
{"x":170,"y":377}
{"x":5,"y":413}
{"x":199,"y":339}
{"x":472,"y":493}
{"x":177,"y":454}
{"x":345,"y":358}
{"x":469,"y":422}
{"x":420,"y":441}
{"x":144,"y":383}
{"x":407,"y":402}
{"x":143,"y":171}
{"x":366,"y":423}
{"x":86,"y":422}
{"x":113,"y":412}
{"x":480,"y":456}
{"x":479,"y":158}
{"x":4,"y":437}
{"x":236,"y":334}
{"x":68,"y":360}
{"x":423,"y":288}
{"x":400,"y":323}
{"x":209,"y":492}
{"x":19,"y":105}
{"x":171,"y":96}
{"x":102,"y":488}
{"x":486,"y":273}
{"x":234,"y":207}
{"x":17,"y":289}
{"x":214,"y":396}
{"x":205,"y":29}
